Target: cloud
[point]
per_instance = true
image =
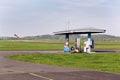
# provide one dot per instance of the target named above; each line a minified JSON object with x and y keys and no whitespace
{"x":81,"y":7}
{"x":81,"y":3}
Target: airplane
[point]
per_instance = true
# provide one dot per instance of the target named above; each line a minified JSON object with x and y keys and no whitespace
{"x":16,"y":36}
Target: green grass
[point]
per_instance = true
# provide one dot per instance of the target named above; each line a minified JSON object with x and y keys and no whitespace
{"x":19,"y":45}
{"x":107,"y":45}
{"x":49,"y":45}
{"x":104,"y":62}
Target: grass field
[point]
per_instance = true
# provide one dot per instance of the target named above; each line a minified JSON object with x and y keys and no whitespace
{"x":49,"y":45}
{"x":20,"y":45}
{"x":103,"y":62}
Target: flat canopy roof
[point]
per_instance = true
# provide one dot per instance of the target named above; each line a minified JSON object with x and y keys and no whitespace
{"x":80,"y":31}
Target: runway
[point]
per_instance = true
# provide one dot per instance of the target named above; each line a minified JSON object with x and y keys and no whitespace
{"x":18,"y":70}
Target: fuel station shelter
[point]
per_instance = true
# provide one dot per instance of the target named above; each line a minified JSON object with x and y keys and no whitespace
{"x":87,"y":31}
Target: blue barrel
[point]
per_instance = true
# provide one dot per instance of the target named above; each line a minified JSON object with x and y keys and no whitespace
{"x":92,"y":46}
{"x":66,"y":49}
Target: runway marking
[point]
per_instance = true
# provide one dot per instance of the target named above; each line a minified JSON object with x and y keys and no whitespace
{"x":32,"y":74}
{"x":36,"y":75}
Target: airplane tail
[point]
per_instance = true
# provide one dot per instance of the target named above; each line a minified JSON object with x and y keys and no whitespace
{"x":16,"y":35}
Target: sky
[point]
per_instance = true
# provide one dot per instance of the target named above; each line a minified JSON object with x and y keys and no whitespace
{"x":39,"y":17}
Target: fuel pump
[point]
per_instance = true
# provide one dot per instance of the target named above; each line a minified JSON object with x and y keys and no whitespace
{"x":76,"y":47}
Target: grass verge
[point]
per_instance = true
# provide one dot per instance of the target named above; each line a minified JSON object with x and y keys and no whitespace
{"x":104,"y":62}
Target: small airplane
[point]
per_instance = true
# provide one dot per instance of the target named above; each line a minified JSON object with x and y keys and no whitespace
{"x":16,"y":36}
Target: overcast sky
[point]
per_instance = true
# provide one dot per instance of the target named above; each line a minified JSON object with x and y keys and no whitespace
{"x":37,"y":17}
